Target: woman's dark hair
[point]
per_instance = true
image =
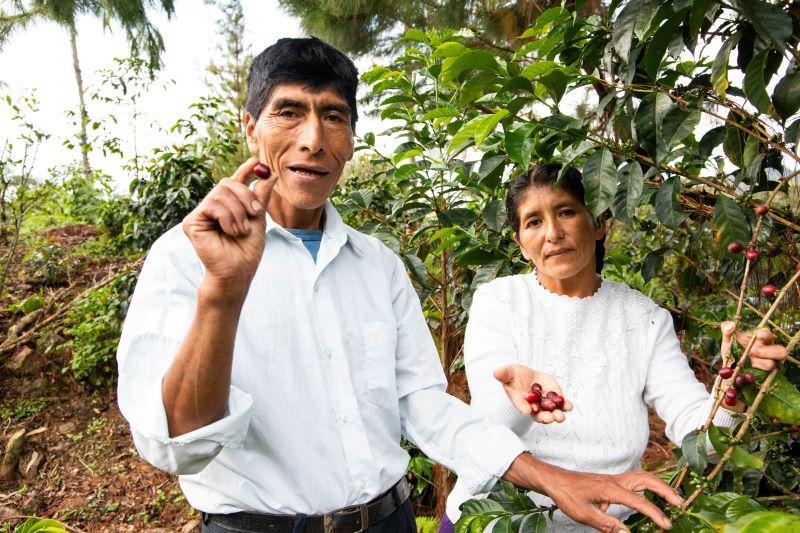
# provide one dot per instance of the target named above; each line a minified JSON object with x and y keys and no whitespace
{"x":546,"y":175}
{"x":309,"y":61}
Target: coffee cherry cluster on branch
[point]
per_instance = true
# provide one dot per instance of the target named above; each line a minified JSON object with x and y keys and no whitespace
{"x":547,"y":402}
{"x":738,"y":382}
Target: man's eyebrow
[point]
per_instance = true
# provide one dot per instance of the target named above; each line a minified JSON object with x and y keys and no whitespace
{"x":341,"y":108}
{"x":288,"y":102}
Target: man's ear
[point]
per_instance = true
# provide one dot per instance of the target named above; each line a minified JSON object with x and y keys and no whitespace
{"x":249,"y":130}
{"x":521,"y":248}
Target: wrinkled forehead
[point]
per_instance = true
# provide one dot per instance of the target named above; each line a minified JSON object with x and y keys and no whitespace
{"x":305,"y":94}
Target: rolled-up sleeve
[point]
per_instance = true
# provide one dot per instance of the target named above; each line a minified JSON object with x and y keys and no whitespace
{"x":449,"y":431}
{"x":160,"y":313}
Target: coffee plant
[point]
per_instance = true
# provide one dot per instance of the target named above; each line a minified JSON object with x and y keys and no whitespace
{"x":683,"y":118}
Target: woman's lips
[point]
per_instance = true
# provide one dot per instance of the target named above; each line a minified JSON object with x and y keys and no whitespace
{"x":558,"y":253}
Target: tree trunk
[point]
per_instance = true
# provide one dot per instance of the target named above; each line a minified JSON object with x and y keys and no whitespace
{"x":84,"y":139}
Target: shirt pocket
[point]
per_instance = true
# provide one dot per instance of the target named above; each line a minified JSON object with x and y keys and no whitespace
{"x":378,"y":382}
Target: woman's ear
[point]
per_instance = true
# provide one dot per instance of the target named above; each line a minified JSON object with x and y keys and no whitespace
{"x":600,"y":226}
{"x":250,"y":132}
{"x":521,"y":248}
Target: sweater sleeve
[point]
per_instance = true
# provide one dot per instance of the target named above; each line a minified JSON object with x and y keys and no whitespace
{"x":488,"y":345}
{"x":671,"y":387}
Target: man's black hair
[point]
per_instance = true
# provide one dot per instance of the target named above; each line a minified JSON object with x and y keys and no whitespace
{"x":309,"y":61}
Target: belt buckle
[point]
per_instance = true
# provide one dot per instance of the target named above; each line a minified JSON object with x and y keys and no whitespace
{"x":329,"y":525}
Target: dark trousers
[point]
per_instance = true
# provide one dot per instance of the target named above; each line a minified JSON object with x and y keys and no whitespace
{"x":400,"y":521}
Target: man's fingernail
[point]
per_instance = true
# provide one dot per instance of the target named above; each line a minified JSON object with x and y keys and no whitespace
{"x":668,"y":523}
{"x":256,"y":205}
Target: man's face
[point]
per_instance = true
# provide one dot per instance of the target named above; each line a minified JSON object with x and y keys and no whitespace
{"x":304,"y":136}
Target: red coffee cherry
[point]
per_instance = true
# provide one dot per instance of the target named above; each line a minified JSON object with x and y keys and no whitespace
{"x":534,"y":396}
{"x":536,"y":408}
{"x":548,"y":405}
{"x":262,"y":171}
{"x":749,"y":378}
{"x":730,"y":397}
{"x":768,"y":291}
{"x":761,"y":210}
{"x":559,"y":401}
{"x":537,"y":387}
{"x":551,"y":394}
{"x":735,"y":247}
{"x":725,"y":372}
{"x":739,"y":381}
{"x":751,"y":254}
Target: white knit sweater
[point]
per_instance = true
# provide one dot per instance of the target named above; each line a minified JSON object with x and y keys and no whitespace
{"x":613,"y":353}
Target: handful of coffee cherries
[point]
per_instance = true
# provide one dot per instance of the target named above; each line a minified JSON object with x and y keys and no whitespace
{"x":544,"y":402}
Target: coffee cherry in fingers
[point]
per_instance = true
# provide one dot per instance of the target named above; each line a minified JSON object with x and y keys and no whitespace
{"x":536,"y":408}
{"x":534,"y":396}
{"x":536,"y":387}
{"x":548,"y":405}
{"x":262,"y":171}
{"x":558,"y":401}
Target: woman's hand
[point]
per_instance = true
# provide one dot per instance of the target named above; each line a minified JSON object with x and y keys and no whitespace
{"x":764,"y":354}
{"x":517,"y":381}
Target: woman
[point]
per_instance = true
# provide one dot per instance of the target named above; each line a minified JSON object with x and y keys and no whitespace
{"x":611,"y":349}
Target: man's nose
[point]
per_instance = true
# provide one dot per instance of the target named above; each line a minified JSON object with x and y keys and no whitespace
{"x":311,"y":137}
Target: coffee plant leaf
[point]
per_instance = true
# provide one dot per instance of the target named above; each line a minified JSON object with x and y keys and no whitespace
{"x":494,"y":214}
{"x":533,"y":523}
{"x":755,"y":84}
{"x":519,"y":143}
{"x":719,"y":440}
{"x":629,"y":191}
{"x":503,"y":525}
{"x":719,"y":68}
{"x":741,"y":506}
{"x":786,"y":97}
{"x":765,"y":522}
{"x":677,"y":125}
{"x":668,"y":205}
{"x":770,"y":22}
{"x":694,"y":450}
{"x":729,"y":222}
{"x":781,"y":403}
{"x":600,"y":180}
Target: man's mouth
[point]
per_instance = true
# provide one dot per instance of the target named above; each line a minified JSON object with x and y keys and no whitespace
{"x":560,"y":251}
{"x":309,"y":171}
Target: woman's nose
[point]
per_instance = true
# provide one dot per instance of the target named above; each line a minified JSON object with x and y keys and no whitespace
{"x":553,"y":231}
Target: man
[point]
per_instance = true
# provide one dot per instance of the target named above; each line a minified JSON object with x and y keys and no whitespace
{"x":272,"y":356}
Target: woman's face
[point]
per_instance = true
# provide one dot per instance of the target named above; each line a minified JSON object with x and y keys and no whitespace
{"x":556,"y":232}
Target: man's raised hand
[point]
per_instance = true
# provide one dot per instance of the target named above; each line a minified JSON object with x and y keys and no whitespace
{"x":227,"y":228}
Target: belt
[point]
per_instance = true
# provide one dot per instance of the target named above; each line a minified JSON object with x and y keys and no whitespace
{"x":352,"y":519}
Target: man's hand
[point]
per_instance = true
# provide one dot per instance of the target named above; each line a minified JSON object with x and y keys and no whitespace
{"x":517,"y":380}
{"x":585,"y":497}
{"x":227,"y":228}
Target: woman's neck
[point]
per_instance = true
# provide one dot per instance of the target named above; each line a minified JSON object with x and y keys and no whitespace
{"x":583,"y":284}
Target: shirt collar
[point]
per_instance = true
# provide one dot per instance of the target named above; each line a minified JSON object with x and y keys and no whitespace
{"x":335,"y":229}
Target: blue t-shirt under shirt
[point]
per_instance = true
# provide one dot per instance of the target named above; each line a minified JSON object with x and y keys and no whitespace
{"x":311,"y":239}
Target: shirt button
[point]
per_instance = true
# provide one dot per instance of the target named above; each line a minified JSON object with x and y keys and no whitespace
{"x":343,"y":419}
{"x":327,"y":353}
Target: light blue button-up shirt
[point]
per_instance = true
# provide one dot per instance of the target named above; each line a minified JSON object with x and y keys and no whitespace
{"x":333,"y":363}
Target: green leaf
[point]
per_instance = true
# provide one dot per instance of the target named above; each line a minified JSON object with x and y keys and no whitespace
{"x":629,"y":191}
{"x":652,"y":264}
{"x":719,"y":68}
{"x":786,"y":96}
{"x":765,"y":522}
{"x":634,"y":18}
{"x":729,"y":222}
{"x":668,"y":206}
{"x":694,"y":450}
{"x":556,"y":84}
{"x":457,"y":216}
{"x":416,"y":35}
{"x":755,"y":84}
{"x":474,"y":59}
{"x":742,"y":459}
{"x":534,"y":523}
{"x":772,"y":23}
{"x":676,"y":126}
{"x":649,"y":116}
{"x":449,"y":49}
{"x":362,"y":198}
{"x":538,"y":69}
{"x":519,"y":143}
{"x":782,"y":402}
{"x":658,"y":46}
{"x":488,"y":124}
{"x":494,"y":214}
{"x":600,"y":181}
{"x":440,"y":112}
{"x":719,"y":440}
{"x":711,"y":140}
{"x":741,"y":506}
{"x":733,"y":145}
